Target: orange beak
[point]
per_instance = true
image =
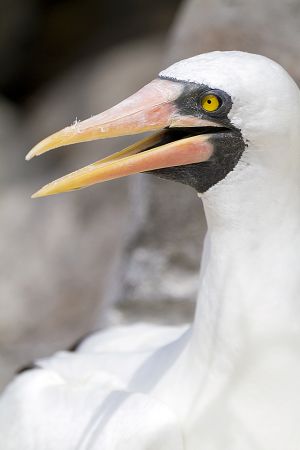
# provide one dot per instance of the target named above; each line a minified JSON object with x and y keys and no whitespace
{"x":151,"y":108}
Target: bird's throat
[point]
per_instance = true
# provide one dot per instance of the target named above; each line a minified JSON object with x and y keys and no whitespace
{"x":250,"y":277}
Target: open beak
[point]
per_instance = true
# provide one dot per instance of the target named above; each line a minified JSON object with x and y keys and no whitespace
{"x":153,"y":108}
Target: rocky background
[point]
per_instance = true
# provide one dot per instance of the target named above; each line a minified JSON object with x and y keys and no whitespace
{"x":126,"y":250}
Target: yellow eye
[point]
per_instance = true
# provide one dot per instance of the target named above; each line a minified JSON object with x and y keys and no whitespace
{"x":210,"y":102}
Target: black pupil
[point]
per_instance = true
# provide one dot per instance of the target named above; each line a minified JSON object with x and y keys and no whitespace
{"x":209,"y":101}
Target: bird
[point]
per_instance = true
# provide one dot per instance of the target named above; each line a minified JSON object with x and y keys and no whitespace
{"x":227,"y":124}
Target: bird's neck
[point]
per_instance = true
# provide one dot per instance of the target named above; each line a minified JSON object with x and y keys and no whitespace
{"x":250,"y":277}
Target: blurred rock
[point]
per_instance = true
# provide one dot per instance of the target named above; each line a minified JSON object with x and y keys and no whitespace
{"x":57,"y":254}
{"x":268,"y":27}
{"x":161,"y":260}
{"x":17,"y":22}
{"x":10,"y":123}
{"x":55,"y":260}
{"x":40,"y":39}
{"x":158,"y":275}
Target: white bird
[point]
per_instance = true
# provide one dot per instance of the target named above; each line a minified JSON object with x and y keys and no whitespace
{"x":230,"y":128}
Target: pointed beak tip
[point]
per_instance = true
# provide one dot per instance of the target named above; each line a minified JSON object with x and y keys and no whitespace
{"x":35,"y":151}
{"x":49,"y":143}
{"x":36,"y":195}
{"x":40,"y":148}
{"x":29,"y":156}
{"x":43,"y":192}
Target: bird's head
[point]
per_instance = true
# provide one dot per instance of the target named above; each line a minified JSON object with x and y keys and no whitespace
{"x":210,"y":113}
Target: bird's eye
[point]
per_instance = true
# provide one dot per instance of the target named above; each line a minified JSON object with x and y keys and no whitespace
{"x":210,"y":102}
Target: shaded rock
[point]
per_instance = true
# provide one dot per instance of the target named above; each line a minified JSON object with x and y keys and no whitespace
{"x":10,"y":122}
{"x":159,"y":271}
{"x":39,"y":39}
{"x":17,"y":22}
{"x":55,"y":260}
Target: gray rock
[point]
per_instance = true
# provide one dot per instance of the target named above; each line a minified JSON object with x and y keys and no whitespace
{"x":10,"y":141}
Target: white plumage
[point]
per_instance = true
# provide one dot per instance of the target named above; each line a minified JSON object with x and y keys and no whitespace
{"x":231,"y":381}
